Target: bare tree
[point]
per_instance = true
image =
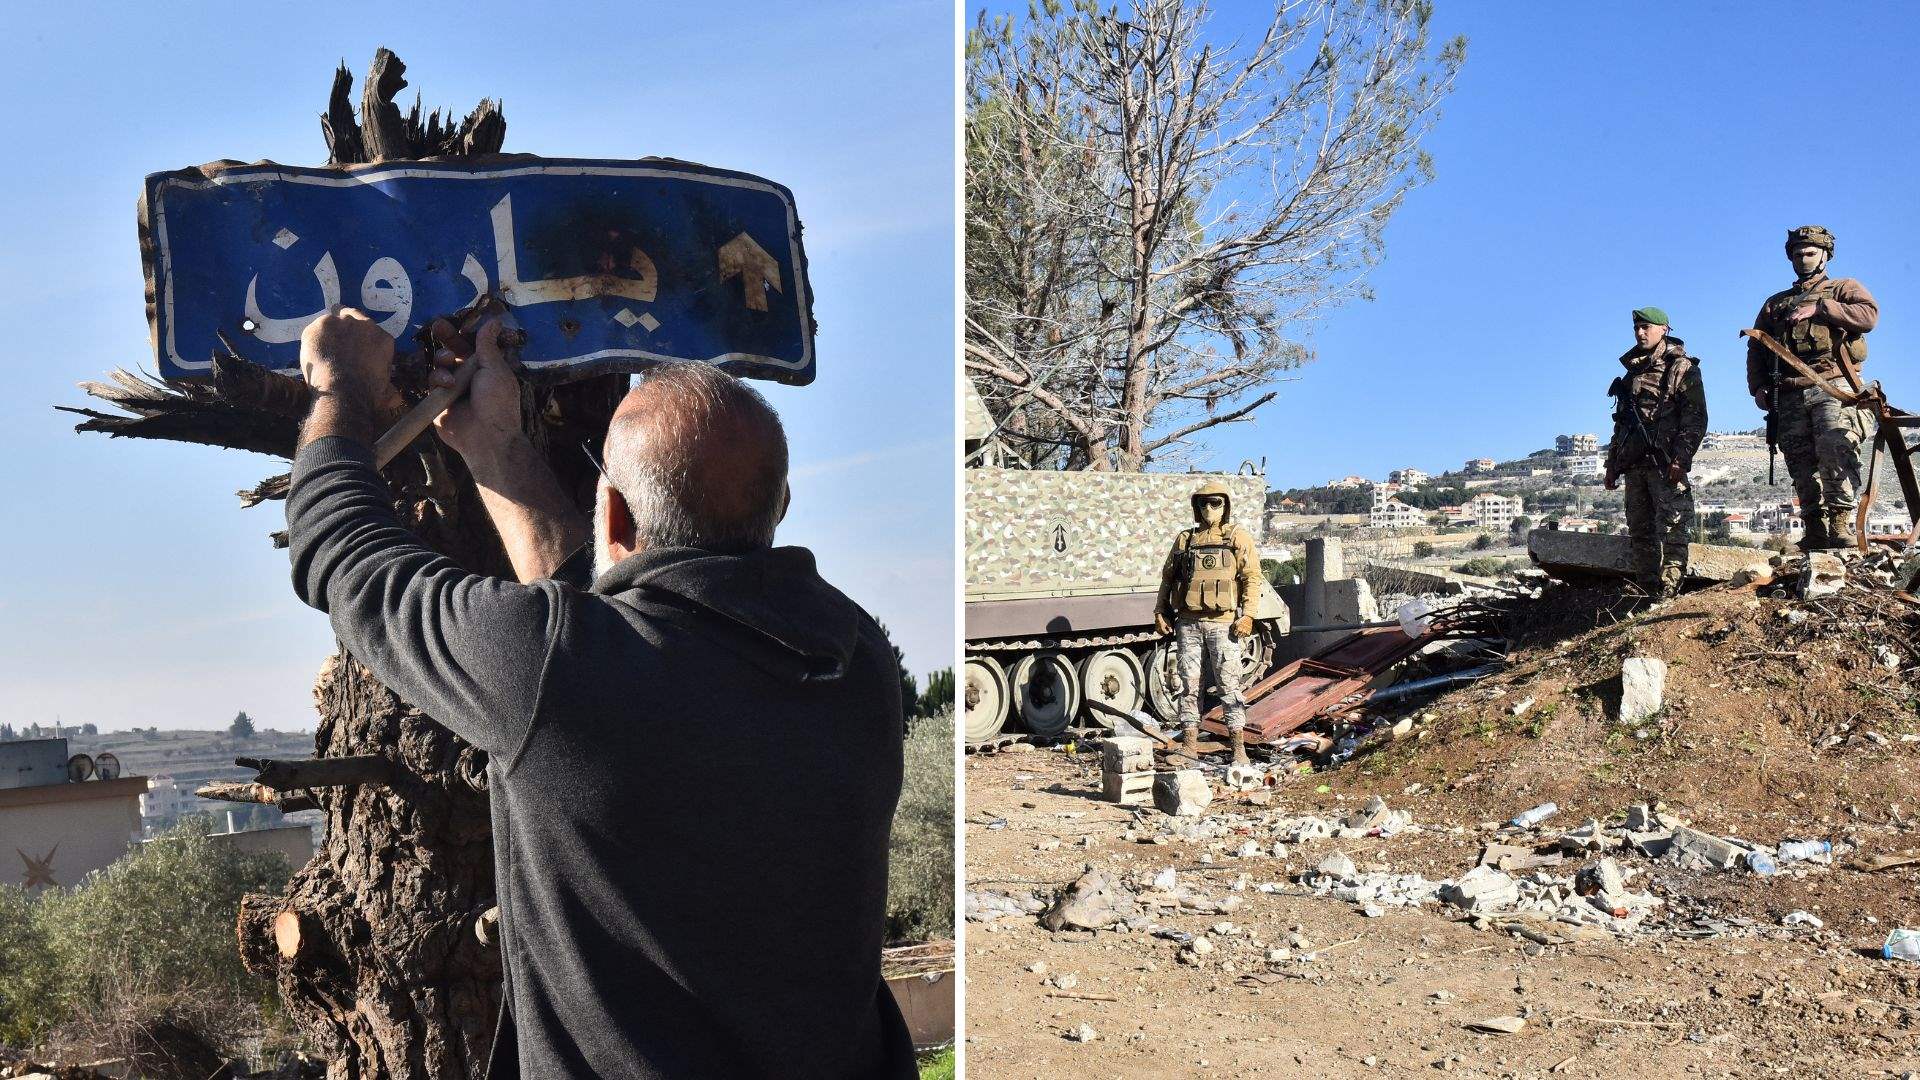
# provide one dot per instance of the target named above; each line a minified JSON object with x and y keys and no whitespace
{"x":1154,"y":220}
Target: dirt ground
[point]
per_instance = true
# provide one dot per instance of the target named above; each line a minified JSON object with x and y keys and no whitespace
{"x":1766,"y":747}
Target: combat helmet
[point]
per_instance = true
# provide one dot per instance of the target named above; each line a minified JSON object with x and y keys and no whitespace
{"x":1817,"y":235}
{"x":1213,"y":487}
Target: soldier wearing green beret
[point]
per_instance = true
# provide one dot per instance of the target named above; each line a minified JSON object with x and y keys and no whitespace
{"x":1659,"y":418}
{"x":1819,"y":319}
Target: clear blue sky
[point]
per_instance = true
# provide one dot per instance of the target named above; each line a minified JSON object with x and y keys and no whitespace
{"x":1595,"y":158}
{"x":133,"y":588}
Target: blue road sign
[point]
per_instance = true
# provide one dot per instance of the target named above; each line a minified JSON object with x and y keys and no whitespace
{"x":607,"y":265}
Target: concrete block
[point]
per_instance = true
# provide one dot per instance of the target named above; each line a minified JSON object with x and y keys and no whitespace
{"x":1125,"y":754}
{"x":1127,"y":788}
{"x":1652,"y":843}
{"x":1712,"y":850}
{"x":1482,"y":888}
{"x":1565,"y":554}
{"x":1182,"y":793}
{"x":1822,"y":576}
{"x":1643,"y":687}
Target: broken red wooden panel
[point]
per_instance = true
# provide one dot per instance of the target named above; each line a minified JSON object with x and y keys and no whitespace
{"x":1286,"y":699}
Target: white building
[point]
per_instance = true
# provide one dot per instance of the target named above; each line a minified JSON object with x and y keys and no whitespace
{"x":1390,"y":513}
{"x":164,"y":803}
{"x":1494,"y":511}
{"x":1587,"y":465}
{"x":1480,"y":464}
{"x":1408,"y":477}
{"x":1576,"y":444}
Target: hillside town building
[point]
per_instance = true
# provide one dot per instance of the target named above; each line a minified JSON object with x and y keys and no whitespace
{"x":1494,"y":511}
{"x":57,"y":830}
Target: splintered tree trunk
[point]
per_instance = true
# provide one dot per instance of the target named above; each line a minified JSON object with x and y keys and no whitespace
{"x":383,"y":947}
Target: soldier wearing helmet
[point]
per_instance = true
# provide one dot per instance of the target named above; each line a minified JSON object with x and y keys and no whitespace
{"x":1819,"y":319}
{"x":1208,"y":588}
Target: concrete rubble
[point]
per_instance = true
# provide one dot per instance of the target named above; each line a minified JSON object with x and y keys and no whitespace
{"x":1823,"y":575}
{"x":1643,"y":686}
{"x":1182,"y":793}
{"x":1590,"y":555}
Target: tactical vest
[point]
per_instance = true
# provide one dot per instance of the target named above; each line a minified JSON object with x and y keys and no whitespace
{"x":1810,"y":339}
{"x":1210,"y":574}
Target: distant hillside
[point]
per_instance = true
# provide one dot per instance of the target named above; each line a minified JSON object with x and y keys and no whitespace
{"x":191,"y":756}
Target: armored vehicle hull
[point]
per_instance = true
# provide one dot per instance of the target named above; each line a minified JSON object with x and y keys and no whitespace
{"x":1063,"y":570}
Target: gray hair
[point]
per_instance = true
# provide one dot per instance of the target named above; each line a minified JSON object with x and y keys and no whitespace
{"x":701,"y":460}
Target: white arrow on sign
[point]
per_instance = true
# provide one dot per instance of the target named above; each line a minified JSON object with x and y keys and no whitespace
{"x":741,"y":257}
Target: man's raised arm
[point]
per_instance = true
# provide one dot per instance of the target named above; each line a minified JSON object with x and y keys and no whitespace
{"x":538,"y":523}
{"x":468,"y":649}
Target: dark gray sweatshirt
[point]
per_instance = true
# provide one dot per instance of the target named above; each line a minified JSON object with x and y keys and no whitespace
{"x":694,"y":766}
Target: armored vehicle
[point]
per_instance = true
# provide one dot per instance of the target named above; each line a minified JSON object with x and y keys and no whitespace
{"x":1063,"y":570}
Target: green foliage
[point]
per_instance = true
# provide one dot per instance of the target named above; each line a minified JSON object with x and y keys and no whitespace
{"x":1482,"y":542}
{"x":242,"y":726}
{"x":151,"y":929}
{"x":1422,"y":550}
{"x":909,"y":686}
{"x":938,"y":1065}
{"x":1326,"y":500}
{"x":1433,"y":498}
{"x":938,"y":696}
{"x":1483,"y":566}
{"x":1280,"y":573}
{"x":1718,"y":528}
{"x":920,"y":867}
{"x":1520,"y":526}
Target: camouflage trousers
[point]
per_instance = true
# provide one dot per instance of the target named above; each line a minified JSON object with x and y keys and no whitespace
{"x":1821,"y":439}
{"x":1194,"y":637}
{"x":1659,"y":513}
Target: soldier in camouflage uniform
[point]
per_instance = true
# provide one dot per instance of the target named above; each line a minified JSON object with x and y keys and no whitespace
{"x":1208,"y":586}
{"x":1818,"y":319}
{"x":1659,"y":418}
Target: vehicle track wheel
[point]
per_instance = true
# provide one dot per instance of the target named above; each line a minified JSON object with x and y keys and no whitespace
{"x":1046,"y":692}
{"x":1163,"y":681}
{"x":1112,"y":677}
{"x":1256,"y":657}
{"x":986,"y":698}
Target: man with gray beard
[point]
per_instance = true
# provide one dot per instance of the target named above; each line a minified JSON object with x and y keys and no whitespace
{"x":716,"y":914}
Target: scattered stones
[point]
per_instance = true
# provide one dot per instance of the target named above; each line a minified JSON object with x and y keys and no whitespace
{"x":1336,"y":867}
{"x":986,"y":905}
{"x":1691,"y":843}
{"x":1643,"y":686}
{"x":1125,"y":754}
{"x":1481,"y":889}
{"x":1498,"y":1025}
{"x":1082,"y":1033}
{"x":1182,"y":793}
{"x":1823,"y":575}
{"x":1094,"y":902}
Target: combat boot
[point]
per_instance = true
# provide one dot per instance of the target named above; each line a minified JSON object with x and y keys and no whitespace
{"x":1190,"y":740}
{"x":1813,"y":534}
{"x":1239,"y":740}
{"x":1840,"y":532}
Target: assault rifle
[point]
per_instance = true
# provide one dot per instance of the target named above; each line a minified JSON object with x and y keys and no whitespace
{"x":1773,"y":408}
{"x":1625,"y":396}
